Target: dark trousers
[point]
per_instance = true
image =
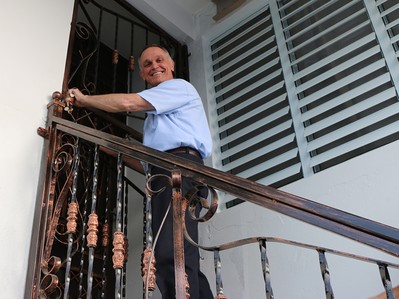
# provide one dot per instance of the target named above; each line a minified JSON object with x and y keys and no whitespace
{"x":164,"y":255}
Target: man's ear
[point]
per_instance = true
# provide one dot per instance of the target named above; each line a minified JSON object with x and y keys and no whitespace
{"x":142,"y":75}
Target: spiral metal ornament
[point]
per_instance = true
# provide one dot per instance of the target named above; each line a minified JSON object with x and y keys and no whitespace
{"x":63,"y":158}
{"x":165,"y":178}
{"x":49,"y":287}
{"x":87,"y":43}
{"x":49,"y":284}
{"x":193,"y":200}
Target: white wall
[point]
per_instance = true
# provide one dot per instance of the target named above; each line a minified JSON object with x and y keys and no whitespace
{"x":34,"y":38}
{"x":366,"y":186}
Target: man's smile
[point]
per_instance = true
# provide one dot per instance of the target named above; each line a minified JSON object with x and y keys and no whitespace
{"x":157,"y":73}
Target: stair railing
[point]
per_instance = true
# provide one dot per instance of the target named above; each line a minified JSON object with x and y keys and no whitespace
{"x":61,"y":212}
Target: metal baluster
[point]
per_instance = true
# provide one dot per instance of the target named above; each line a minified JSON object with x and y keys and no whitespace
{"x":148,"y":259}
{"x":218,"y":272}
{"x":131,"y":60}
{"x":266,"y":269}
{"x":119,"y":256}
{"x":115,"y":55}
{"x":386,"y":281}
{"x":148,"y":218}
{"x":72,"y":217}
{"x":84,"y":218}
{"x":105,"y":240}
{"x":325,"y":273}
{"x":126,"y":244}
{"x":93,"y":225}
{"x":99,"y":39}
{"x":181,"y":282}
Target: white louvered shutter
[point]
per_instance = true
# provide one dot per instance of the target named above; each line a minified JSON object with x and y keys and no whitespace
{"x":389,"y":11}
{"x":305,"y":85}
{"x":257,"y":139}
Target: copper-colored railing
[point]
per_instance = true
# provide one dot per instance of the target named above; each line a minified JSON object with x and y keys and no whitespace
{"x":354,"y":227}
{"x":74,"y":223}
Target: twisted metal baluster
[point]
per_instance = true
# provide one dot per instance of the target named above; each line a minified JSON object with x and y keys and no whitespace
{"x":126,"y":244}
{"x":84,"y":218}
{"x":386,"y":281}
{"x":218,"y":272}
{"x":72,"y":217}
{"x":266,"y":269}
{"x":148,"y":259}
{"x":93,"y":225}
{"x":148,"y":217}
{"x":105,"y":240}
{"x":118,"y":257}
{"x":131,"y":60}
{"x":325,"y":273}
{"x":115,"y":55}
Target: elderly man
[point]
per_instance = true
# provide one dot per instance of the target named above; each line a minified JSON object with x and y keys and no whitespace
{"x":175,"y":123}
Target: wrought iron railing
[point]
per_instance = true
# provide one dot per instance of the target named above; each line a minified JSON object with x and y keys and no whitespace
{"x":80,"y":247}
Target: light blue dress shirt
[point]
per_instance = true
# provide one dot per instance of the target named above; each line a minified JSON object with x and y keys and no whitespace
{"x":178,"y":120}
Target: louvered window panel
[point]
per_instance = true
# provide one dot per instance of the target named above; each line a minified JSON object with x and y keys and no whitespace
{"x":257,"y":139}
{"x":347,"y":99}
{"x":389,"y":11}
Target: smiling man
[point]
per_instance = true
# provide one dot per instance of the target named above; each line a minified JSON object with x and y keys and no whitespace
{"x":175,"y":123}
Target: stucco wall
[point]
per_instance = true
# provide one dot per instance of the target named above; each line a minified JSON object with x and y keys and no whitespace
{"x":366,"y":186}
{"x":34,"y":38}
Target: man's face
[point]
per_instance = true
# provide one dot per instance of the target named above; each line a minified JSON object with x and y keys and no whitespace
{"x":156,"y":66}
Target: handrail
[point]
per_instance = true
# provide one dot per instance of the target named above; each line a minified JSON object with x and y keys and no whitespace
{"x":357,"y":228}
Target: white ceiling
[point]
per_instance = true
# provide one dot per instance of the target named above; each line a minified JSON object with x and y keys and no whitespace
{"x":177,"y":17}
{"x":192,"y":6}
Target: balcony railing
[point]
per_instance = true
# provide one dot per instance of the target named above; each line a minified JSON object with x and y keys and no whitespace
{"x":80,"y":246}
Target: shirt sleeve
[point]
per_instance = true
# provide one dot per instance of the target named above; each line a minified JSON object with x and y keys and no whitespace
{"x":169,"y":95}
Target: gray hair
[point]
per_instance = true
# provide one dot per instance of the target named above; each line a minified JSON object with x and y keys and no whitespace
{"x":153,"y":46}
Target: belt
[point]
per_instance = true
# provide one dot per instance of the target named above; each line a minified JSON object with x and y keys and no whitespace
{"x":185,"y":150}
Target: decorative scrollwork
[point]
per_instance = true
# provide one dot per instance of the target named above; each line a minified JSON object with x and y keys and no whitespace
{"x":84,"y":31}
{"x":52,"y":265}
{"x":49,"y":284}
{"x":165,"y":178}
{"x":64,"y":158}
{"x":193,"y":198}
{"x":49,"y":287}
{"x":61,"y":167}
{"x":87,"y":43}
